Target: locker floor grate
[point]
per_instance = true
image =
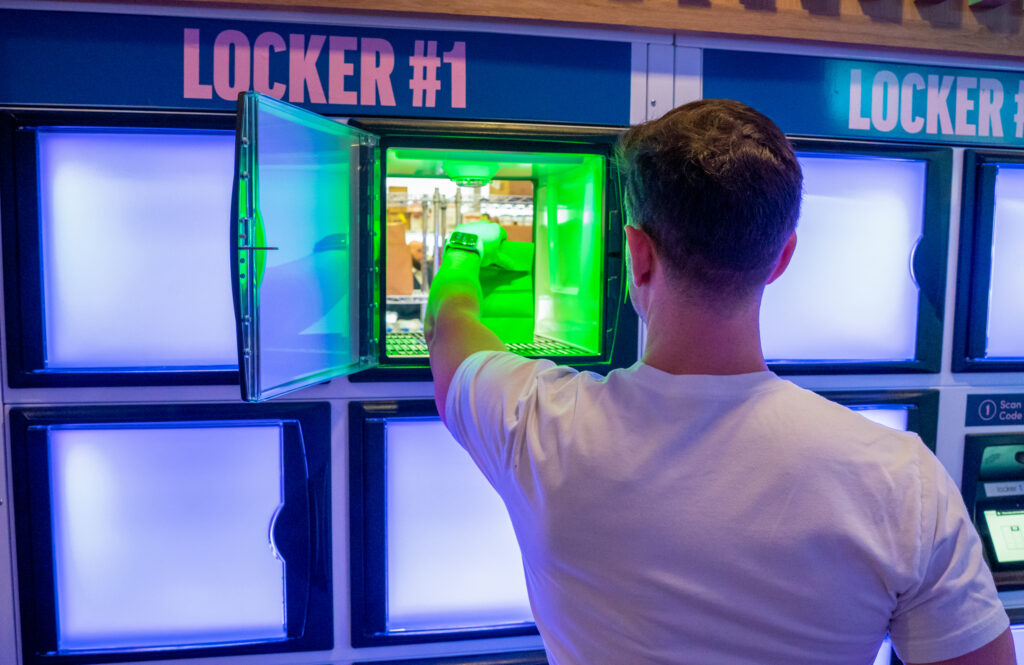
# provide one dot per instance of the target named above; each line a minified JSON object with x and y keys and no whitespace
{"x":413,"y":345}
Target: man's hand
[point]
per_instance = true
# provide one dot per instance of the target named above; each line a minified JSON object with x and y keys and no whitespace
{"x":489,"y":237}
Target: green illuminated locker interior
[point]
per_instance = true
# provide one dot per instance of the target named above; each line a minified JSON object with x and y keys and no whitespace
{"x":327,"y":278}
{"x":553,"y":305}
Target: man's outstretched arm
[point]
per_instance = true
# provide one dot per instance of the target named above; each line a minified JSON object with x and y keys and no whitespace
{"x":452,"y":323}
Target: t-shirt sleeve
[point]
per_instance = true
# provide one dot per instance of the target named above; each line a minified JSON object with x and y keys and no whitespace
{"x":491,"y":399}
{"x":953,"y":608}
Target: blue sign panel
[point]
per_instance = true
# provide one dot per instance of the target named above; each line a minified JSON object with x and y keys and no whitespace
{"x":1005,"y":410}
{"x":872,"y":100}
{"x":112,"y":60}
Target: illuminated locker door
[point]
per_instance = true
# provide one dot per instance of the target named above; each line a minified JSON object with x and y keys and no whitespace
{"x":989,"y":309}
{"x":1006,"y":308}
{"x":866,"y":286}
{"x":156,"y":531}
{"x":434,"y":556}
{"x":303,"y":285}
{"x":113,"y":276}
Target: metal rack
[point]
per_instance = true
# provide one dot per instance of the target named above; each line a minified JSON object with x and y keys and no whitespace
{"x":399,"y":199}
{"x":408,"y":299}
{"x":434,"y":219}
{"x":413,"y":345}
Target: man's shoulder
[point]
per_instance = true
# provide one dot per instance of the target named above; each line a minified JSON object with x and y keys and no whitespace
{"x":812,"y":409}
{"x":806,"y":424}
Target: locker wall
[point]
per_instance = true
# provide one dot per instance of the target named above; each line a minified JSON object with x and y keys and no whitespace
{"x":667,"y":71}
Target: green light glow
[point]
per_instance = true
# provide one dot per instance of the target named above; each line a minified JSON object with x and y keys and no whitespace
{"x":569,"y":212}
{"x":469,"y":174}
{"x":509,"y":308}
{"x":556,"y":308}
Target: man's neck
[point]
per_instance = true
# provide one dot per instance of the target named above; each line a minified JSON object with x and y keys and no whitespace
{"x":690,"y":339}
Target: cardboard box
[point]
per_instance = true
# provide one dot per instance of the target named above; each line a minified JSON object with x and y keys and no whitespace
{"x":511,"y":188}
{"x":398,"y":213}
{"x":398,"y":261}
{"x":520,"y":187}
{"x":518,"y":232}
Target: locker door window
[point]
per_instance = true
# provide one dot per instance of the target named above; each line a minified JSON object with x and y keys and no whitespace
{"x":1005,"y":324}
{"x":303,"y":197}
{"x":849,"y":294}
{"x":134,"y":254}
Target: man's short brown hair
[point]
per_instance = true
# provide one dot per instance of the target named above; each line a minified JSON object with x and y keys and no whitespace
{"x":717,"y":187}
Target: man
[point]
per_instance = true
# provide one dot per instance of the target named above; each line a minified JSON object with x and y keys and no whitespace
{"x":695,"y":508}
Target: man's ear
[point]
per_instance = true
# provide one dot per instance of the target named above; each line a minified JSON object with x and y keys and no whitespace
{"x":784,"y":258}
{"x":641,"y":255}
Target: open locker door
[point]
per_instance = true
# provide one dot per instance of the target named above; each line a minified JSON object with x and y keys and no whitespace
{"x":303,"y":256}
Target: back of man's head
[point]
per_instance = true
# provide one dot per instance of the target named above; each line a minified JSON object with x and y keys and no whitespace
{"x":716,"y":186}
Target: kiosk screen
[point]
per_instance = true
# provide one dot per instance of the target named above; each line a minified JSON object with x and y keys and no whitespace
{"x":1006,"y":530}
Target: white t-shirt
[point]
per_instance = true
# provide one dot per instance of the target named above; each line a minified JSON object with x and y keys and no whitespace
{"x":720,"y":519}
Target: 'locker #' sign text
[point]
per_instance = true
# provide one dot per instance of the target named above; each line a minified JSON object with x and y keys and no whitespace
{"x":936,"y":104}
{"x":324,"y":69}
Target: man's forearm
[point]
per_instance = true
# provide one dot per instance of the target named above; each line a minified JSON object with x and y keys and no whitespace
{"x":452,"y":324}
{"x":457,"y":284}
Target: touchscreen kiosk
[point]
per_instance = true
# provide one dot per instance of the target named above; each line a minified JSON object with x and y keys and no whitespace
{"x":993,"y":490}
{"x":1006,"y":533}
